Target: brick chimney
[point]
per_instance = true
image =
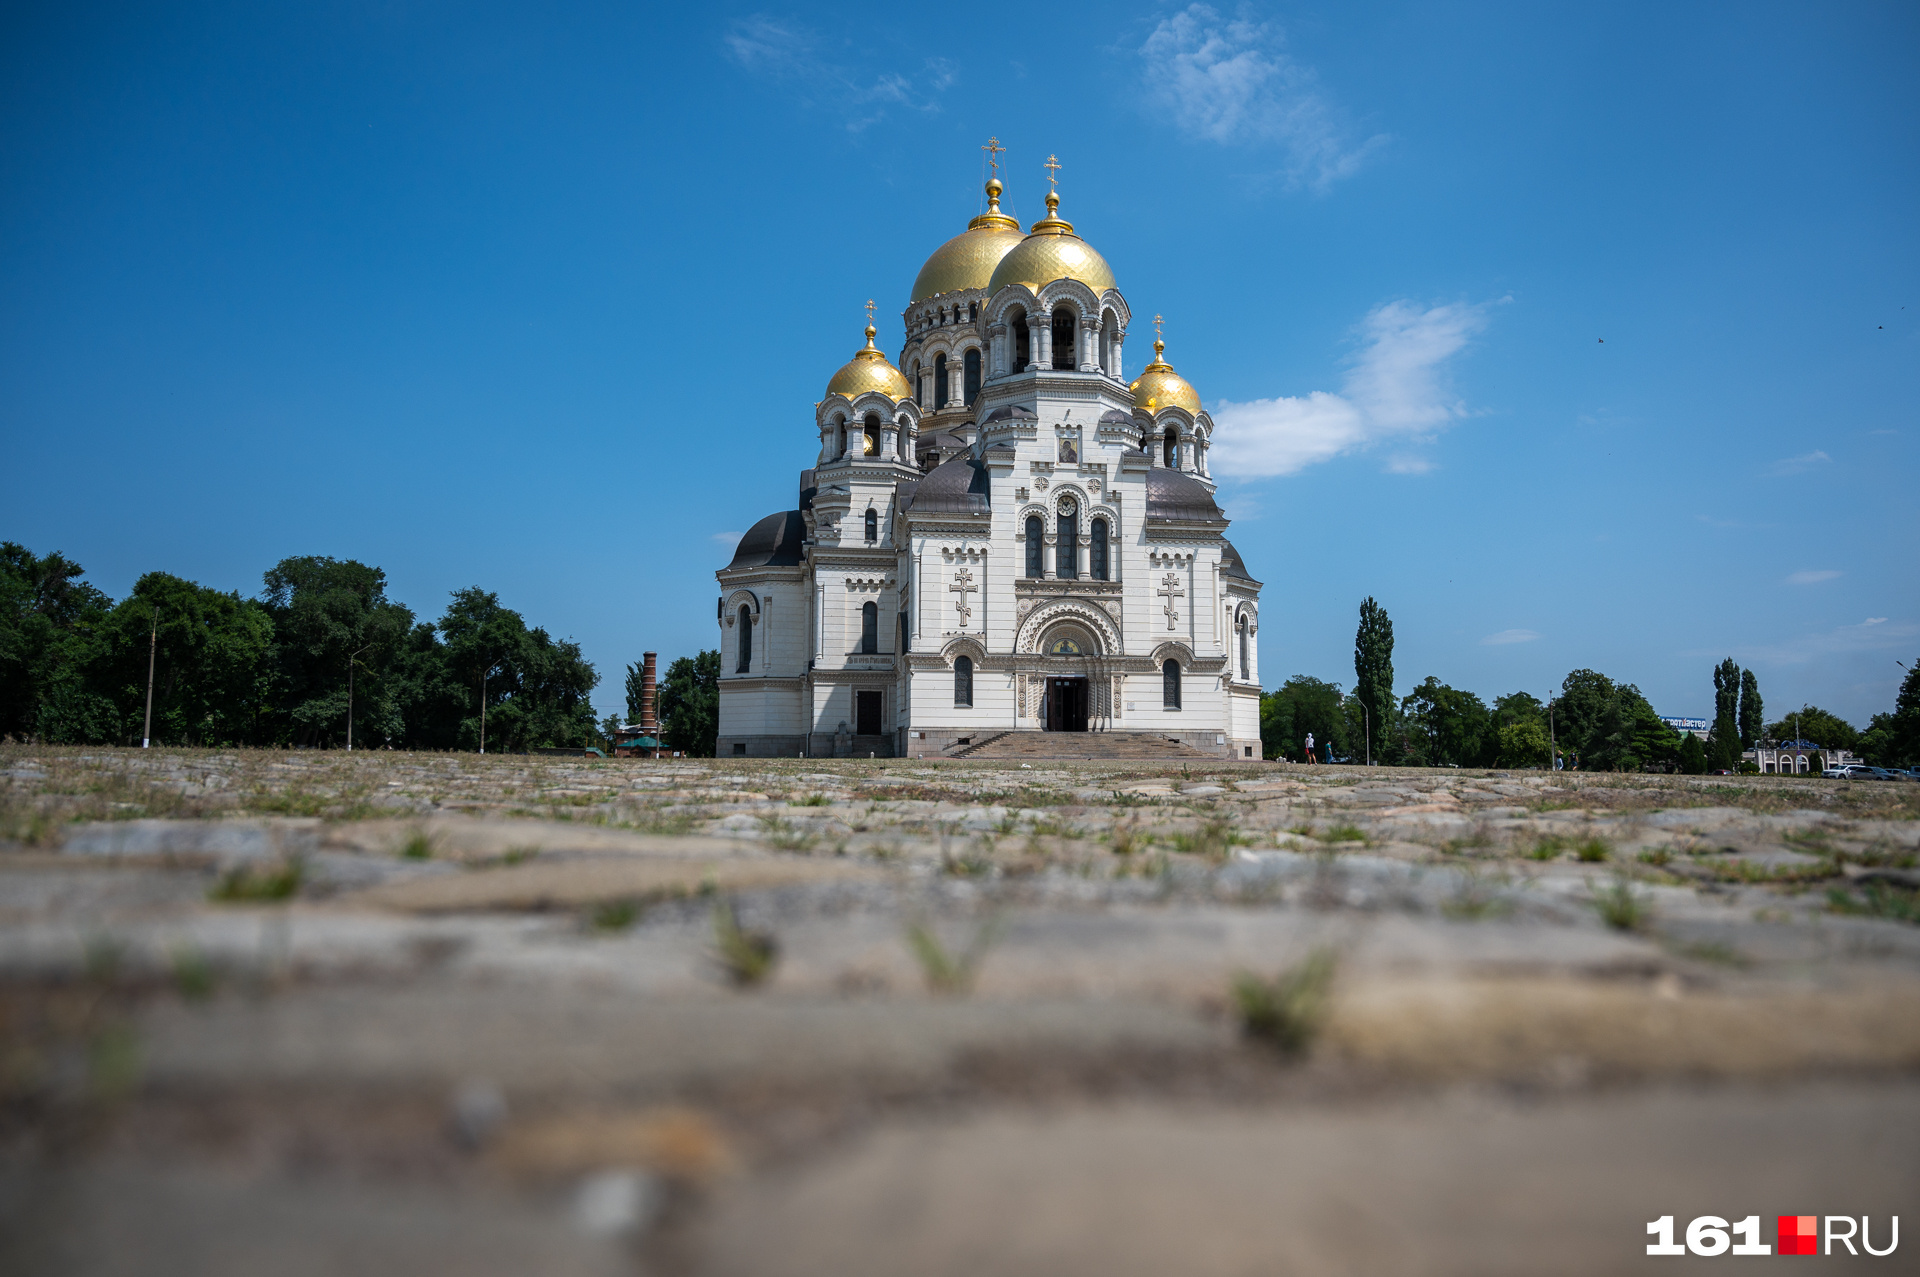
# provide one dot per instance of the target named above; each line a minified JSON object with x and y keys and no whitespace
{"x":649,"y":724}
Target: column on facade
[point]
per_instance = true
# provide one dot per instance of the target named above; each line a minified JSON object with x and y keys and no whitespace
{"x":1090,"y":346}
{"x":1113,"y":355}
{"x":888,"y":445}
{"x":956,"y":374}
{"x":1040,"y":338}
{"x":997,"y":350}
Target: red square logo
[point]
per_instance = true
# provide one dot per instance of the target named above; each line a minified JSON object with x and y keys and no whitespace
{"x":1798,"y":1235}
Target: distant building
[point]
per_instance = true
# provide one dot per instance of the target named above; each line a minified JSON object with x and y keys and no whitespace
{"x":1792,"y":757}
{"x":1698,"y":726}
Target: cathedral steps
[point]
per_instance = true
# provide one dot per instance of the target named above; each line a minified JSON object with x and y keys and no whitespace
{"x":1129,"y":746}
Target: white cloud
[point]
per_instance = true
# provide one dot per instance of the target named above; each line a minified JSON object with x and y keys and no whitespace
{"x":1408,"y":463}
{"x":1395,"y":389}
{"x":1873,"y":635}
{"x":788,"y":52}
{"x":1813,"y":577}
{"x":728,"y":539}
{"x":1799,"y":465}
{"x":1230,"y":82}
{"x":1509,"y":636}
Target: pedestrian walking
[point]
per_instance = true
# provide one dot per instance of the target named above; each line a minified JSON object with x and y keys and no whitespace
{"x":1310,"y":757}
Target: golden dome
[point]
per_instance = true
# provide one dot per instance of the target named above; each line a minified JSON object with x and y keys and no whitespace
{"x":1052,"y":252}
{"x":967,"y":260}
{"x":869,"y":370}
{"x":1159,"y":386}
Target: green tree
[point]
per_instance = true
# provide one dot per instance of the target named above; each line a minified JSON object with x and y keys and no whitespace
{"x":329,"y":615}
{"x":1723,"y":742}
{"x":1752,"y":712}
{"x":1523,"y":743}
{"x":1609,"y":726}
{"x":533,"y":691}
{"x":1811,"y":723}
{"x":636,"y":682}
{"x":1691,"y":757}
{"x":48,"y":620}
{"x":1893,"y":740}
{"x":1300,"y":705}
{"x":1448,"y":727}
{"x":689,"y":705}
{"x":1373,"y":669}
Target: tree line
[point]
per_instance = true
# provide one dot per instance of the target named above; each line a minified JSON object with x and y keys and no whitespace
{"x":1594,"y":722}
{"x":320,"y":651}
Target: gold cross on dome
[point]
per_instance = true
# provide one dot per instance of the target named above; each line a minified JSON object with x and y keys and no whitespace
{"x":994,"y":150}
{"x":1053,"y":168}
{"x":1156,"y":328}
{"x":869,"y":310}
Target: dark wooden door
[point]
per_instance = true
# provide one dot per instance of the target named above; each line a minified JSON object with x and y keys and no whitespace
{"x":1066,"y":704}
{"x":866,"y":713}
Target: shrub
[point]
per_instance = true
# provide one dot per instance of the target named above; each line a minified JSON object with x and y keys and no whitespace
{"x":747,"y":957}
{"x":1285,"y":1012}
{"x":1621,"y":907}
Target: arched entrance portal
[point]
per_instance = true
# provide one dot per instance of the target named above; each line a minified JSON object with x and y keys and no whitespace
{"x":1067,"y":649}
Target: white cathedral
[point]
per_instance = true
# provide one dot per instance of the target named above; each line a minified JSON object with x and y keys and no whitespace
{"x":1007,"y":538}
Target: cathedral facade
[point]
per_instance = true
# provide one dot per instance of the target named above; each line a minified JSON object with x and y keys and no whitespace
{"x":999,"y":533}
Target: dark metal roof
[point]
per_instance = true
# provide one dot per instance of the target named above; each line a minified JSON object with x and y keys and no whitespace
{"x":957,"y":486}
{"x":1173,"y":495}
{"x":1113,"y":417}
{"x":774,"y":542}
{"x":1231,"y":564}
{"x":1015,"y":413}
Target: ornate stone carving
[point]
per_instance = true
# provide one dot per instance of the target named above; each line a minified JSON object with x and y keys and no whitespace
{"x":963,"y":585}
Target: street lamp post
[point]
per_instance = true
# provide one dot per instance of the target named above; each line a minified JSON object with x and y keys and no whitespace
{"x":351,"y":661}
{"x":153,"y":643}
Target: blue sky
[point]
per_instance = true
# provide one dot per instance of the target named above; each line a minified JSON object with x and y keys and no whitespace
{"x":1578,"y":337}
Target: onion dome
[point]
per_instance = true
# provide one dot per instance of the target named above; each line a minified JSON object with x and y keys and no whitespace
{"x":1159,"y":386}
{"x":967,"y":260}
{"x":869,"y":370}
{"x":1052,"y":251}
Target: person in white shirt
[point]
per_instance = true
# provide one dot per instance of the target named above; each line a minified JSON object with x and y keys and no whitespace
{"x":1310,"y":757}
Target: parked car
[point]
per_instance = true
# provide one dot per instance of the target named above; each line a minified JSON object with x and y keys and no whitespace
{"x":1859,"y":771}
{"x":1835,"y":773}
{"x":1723,"y":771}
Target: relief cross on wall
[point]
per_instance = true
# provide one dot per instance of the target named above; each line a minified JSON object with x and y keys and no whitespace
{"x":1170,"y":590}
{"x":963,"y":585}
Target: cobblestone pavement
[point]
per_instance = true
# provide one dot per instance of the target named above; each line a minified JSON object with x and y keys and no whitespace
{"x":312,"y":1012}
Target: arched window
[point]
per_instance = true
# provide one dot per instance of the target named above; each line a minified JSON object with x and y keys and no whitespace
{"x":1097,"y":552}
{"x":869,"y":628}
{"x":1170,"y":684}
{"x":919,"y":395}
{"x":1109,"y":343}
{"x":870,"y":446}
{"x":940,"y":382}
{"x":1246,"y":656}
{"x":1022,"y":343}
{"x":1064,"y":327}
{"x":973,"y":312}
{"x":971,"y":374}
{"x":903,"y":437}
{"x":1066,"y":559}
{"x":1036,"y":546}
{"x":746,"y":640}
{"x":839,"y":437}
{"x":873,"y":524}
{"x":963,"y":681}
{"x":900,"y":641}
{"x":1170,"y":449}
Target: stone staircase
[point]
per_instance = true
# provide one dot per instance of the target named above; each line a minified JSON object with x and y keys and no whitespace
{"x":1130,"y":746}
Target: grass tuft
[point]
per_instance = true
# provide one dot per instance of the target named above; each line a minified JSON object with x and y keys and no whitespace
{"x":613,"y":915}
{"x":1877,"y":900}
{"x":748,"y":957}
{"x":950,"y":973}
{"x":253,"y":883}
{"x":418,"y":846}
{"x":1592,"y":851}
{"x":1285,"y":1012}
{"x":1620,"y":906}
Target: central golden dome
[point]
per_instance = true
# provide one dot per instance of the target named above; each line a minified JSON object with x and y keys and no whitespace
{"x":967,"y":260}
{"x":1052,"y":252}
{"x":1159,"y":386}
{"x":869,"y":370}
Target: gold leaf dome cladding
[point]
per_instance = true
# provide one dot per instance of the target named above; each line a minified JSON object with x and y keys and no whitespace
{"x":1159,"y":386}
{"x":967,"y":260}
{"x":1052,"y":252}
{"x":869,"y":370}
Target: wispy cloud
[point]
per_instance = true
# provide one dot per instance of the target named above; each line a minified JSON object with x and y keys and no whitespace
{"x":1230,"y":81}
{"x":1798,"y":465}
{"x":1509,"y":636}
{"x":1874,"y":634}
{"x":1812,"y":576}
{"x":728,"y":538}
{"x":1395,"y":389}
{"x":789,"y":52}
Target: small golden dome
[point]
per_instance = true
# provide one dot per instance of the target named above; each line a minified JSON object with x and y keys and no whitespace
{"x":1159,"y":386}
{"x":1052,"y":251}
{"x":967,"y":260}
{"x":869,"y":370}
